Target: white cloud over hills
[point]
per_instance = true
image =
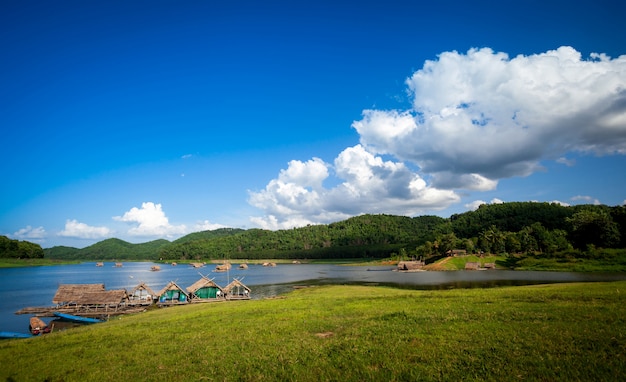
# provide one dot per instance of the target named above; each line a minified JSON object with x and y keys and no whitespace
{"x":150,"y":220}
{"x":76,"y":229}
{"x":475,"y":118}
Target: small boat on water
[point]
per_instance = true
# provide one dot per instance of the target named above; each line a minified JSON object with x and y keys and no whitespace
{"x":71,"y":317}
{"x":15,"y":335}
{"x":38,"y":326}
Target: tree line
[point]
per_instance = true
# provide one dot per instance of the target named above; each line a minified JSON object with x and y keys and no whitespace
{"x":16,"y":249}
{"x":531,"y":228}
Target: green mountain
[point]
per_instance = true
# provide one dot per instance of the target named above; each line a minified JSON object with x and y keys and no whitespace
{"x":515,"y":227}
{"x":109,"y":249}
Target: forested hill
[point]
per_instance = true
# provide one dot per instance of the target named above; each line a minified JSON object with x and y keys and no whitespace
{"x":527,"y":227}
{"x":109,"y":249}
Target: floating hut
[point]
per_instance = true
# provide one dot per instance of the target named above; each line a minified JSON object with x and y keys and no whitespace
{"x":223,"y":267}
{"x":99,"y":264}
{"x":172,"y":294}
{"x":197,"y":265}
{"x":118,"y":265}
{"x":236,"y":290}
{"x":243,"y":266}
{"x":205,"y":290}
{"x":89,"y":297}
{"x":472,"y":266}
{"x":141,"y":295}
{"x":410,"y":265}
{"x":155,"y":268}
{"x":269,"y":264}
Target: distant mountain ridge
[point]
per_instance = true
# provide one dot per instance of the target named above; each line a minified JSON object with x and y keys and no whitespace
{"x":379,"y":236}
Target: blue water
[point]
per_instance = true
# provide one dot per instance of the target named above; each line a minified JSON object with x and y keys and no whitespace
{"x":36,"y":286}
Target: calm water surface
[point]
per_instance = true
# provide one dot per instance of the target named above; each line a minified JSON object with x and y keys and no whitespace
{"x":36,"y":286}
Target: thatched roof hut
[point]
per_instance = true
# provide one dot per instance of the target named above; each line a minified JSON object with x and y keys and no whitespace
{"x":142,"y":294}
{"x":88,"y":294}
{"x":410,"y":265}
{"x":472,"y":266}
{"x":236,"y":290}
{"x":172,"y":294}
{"x":204,"y":289}
{"x":222,"y":267}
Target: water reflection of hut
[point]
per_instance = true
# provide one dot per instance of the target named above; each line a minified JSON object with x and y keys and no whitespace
{"x":204,"y":290}
{"x":172,"y":294}
{"x":142,"y":295}
{"x":236,"y":290}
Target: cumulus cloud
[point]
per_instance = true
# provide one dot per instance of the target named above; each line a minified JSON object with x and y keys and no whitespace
{"x":482,"y":116}
{"x":370,"y":185}
{"x":586,"y":199}
{"x":565,"y":161}
{"x":207,"y":226}
{"x":150,"y":220}
{"x":74,"y":228}
{"x":30,"y":233}
{"x":473,"y":206}
{"x":475,"y":118}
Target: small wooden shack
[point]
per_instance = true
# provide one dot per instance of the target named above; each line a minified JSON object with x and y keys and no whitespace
{"x":205,"y":290}
{"x":243,"y":266}
{"x":141,"y":295}
{"x":223,"y":267}
{"x":89,"y":296}
{"x":172,"y":294}
{"x":236,"y":290}
{"x":456,"y":252}
{"x":410,"y":265}
{"x":472,"y":266}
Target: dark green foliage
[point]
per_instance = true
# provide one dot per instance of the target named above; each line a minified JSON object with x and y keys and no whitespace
{"x":510,"y":217}
{"x":366,"y":236}
{"x":593,"y":227}
{"x":532,"y":229}
{"x":110,"y":249}
{"x":61,"y":252}
{"x":16,"y":249}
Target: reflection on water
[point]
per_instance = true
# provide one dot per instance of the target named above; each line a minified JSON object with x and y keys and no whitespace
{"x":36,"y":286}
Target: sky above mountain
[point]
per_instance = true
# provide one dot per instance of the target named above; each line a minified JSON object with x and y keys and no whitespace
{"x":153,"y":119}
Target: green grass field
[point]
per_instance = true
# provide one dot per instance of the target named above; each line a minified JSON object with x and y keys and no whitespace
{"x":572,"y":332}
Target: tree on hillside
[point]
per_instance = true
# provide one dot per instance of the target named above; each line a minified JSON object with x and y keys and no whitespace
{"x":593,"y":227}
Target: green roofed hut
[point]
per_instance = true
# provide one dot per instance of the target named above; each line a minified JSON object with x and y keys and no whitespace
{"x":205,"y":290}
{"x":236,"y":290}
{"x":172,"y":294}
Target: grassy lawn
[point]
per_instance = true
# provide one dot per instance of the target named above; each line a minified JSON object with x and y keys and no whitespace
{"x":348,"y":333}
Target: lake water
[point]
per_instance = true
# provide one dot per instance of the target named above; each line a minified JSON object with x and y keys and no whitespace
{"x":36,"y":286}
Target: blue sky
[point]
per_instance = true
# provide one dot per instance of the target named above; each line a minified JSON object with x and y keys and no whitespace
{"x":153,"y":119}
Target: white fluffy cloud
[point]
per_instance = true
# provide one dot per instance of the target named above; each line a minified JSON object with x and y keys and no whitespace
{"x":150,"y":220}
{"x":30,"y":233}
{"x":475,"y":118}
{"x":370,"y":185}
{"x":586,"y":199}
{"x":482,"y":116}
{"x":206,"y":226}
{"x":73,"y":228}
